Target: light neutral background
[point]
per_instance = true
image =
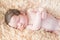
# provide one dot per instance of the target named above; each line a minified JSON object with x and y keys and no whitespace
{"x":8,"y":33}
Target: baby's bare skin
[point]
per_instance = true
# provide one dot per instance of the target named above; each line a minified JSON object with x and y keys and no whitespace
{"x":35,"y":19}
{"x":34,"y":16}
{"x":40,"y":18}
{"x":18,"y":22}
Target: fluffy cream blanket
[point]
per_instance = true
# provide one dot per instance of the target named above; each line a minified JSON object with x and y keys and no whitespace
{"x":8,"y":33}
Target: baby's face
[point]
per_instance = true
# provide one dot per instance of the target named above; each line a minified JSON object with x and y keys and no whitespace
{"x":19,"y":22}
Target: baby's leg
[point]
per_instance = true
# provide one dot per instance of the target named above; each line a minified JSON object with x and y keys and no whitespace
{"x":51,"y":24}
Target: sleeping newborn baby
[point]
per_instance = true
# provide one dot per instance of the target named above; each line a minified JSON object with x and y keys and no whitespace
{"x":16,"y":19}
{"x":35,"y":19}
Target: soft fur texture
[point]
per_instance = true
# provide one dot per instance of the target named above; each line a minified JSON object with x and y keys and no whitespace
{"x":8,"y":33}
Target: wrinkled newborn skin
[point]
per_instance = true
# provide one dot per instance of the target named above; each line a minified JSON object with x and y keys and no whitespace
{"x":40,"y":18}
{"x":16,"y":19}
